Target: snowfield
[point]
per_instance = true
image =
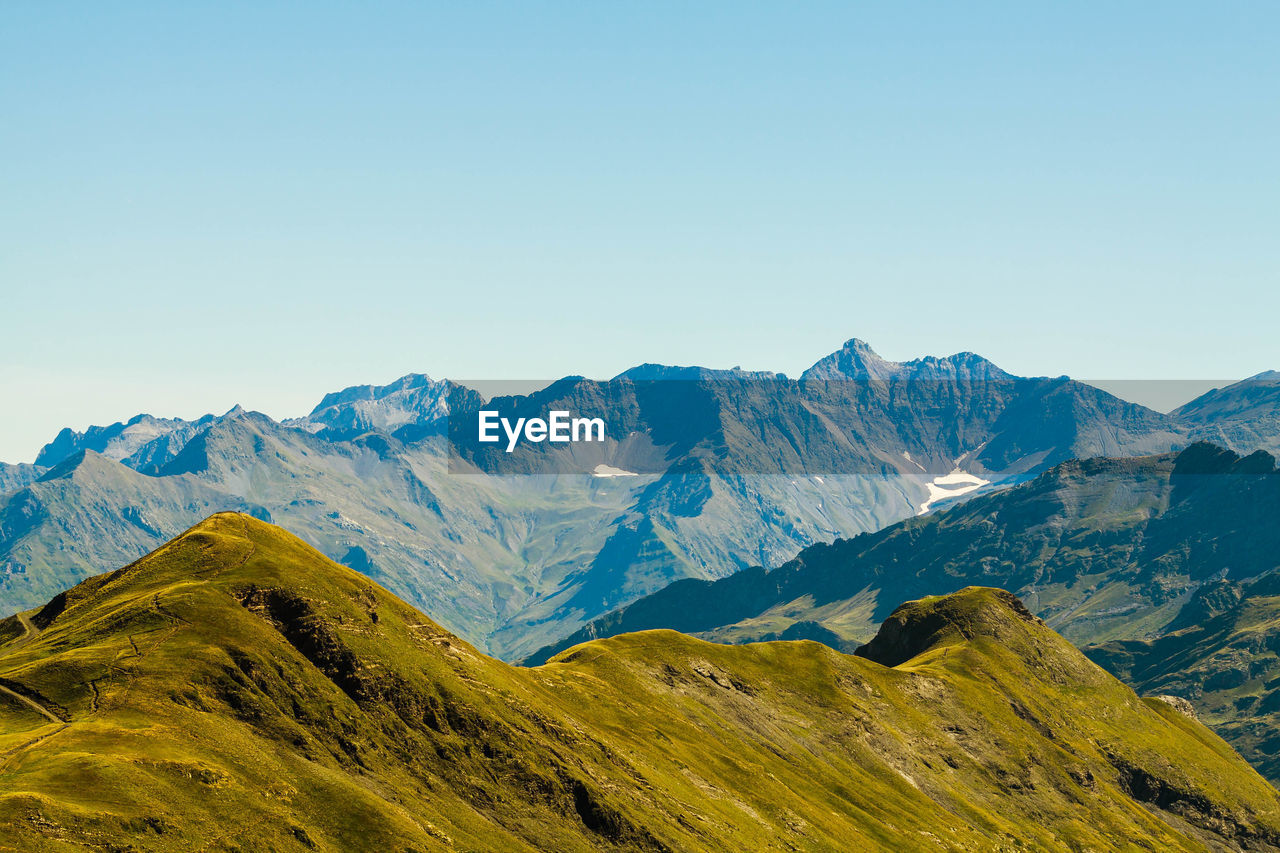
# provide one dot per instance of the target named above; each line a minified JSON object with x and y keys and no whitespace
{"x":951,"y":485}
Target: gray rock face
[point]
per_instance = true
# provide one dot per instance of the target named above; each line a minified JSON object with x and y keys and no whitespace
{"x":1257,"y":396}
{"x":1244,"y":416}
{"x":856,"y":361}
{"x":16,"y":476}
{"x":1177,"y":703}
{"x":412,"y":400}
{"x":121,"y":441}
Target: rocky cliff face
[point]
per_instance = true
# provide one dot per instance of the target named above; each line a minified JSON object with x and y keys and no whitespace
{"x":140,"y":440}
{"x":415,"y":400}
{"x":16,"y":476}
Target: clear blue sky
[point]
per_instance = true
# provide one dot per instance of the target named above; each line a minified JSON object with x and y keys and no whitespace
{"x":205,"y":204}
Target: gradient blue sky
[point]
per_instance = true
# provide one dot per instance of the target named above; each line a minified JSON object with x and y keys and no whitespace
{"x":205,"y":204}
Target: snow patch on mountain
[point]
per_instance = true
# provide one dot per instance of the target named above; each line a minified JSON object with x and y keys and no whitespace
{"x":951,"y":485}
{"x":603,"y":470}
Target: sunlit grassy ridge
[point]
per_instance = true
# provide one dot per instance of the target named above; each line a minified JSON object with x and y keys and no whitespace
{"x":235,"y":690}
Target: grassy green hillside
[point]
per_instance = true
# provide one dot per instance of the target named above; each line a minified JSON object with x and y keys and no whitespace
{"x":235,"y":690}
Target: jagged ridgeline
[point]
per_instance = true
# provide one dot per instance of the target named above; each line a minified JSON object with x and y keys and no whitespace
{"x":731,"y":469}
{"x":236,"y":690}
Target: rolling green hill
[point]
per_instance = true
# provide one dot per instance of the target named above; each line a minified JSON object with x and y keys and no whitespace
{"x":236,"y":690}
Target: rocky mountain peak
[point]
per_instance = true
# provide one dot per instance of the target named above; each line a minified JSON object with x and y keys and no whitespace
{"x":81,"y":463}
{"x":918,"y":626}
{"x":413,"y":400}
{"x":1206,"y":458}
{"x":355,"y":393}
{"x":856,"y":360}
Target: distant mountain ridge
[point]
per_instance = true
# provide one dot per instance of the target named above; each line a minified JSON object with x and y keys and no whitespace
{"x":16,"y":476}
{"x":140,"y":442}
{"x":735,"y":468}
{"x":415,"y":400}
{"x":858,"y":361}
{"x":852,"y":413}
{"x":1257,"y":396}
{"x":418,"y":401}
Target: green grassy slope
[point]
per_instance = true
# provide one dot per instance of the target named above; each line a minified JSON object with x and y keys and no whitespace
{"x":235,"y":690}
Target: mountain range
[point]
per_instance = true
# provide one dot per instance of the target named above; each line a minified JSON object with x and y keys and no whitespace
{"x":1164,"y":568}
{"x":236,"y":690}
{"x":705,"y":473}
